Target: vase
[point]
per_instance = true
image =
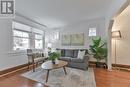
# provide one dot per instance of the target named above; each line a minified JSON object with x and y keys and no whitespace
{"x":53,"y":62}
{"x":56,"y":61}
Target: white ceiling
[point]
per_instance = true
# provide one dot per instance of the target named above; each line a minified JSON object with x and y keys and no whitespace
{"x":58,"y":13}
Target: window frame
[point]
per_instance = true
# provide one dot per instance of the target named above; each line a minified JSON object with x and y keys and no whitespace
{"x":31,"y":36}
{"x":90,"y":29}
{"x":21,"y":37}
{"x":38,"y":39}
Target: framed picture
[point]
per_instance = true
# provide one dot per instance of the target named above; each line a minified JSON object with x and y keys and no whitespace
{"x":77,"y":39}
{"x":65,"y":40}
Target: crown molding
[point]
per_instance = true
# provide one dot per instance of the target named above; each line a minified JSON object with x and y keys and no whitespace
{"x":126,"y":4}
{"x":30,"y":19}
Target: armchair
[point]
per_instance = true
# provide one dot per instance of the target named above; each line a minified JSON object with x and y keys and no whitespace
{"x":34,"y":58}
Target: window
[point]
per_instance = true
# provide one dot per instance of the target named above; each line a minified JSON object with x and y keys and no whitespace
{"x":38,"y":38}
{"x":38,"y":41}
{"x":21,"y":40}
{"x":25,"y":37}
{"x":51,"y":38}
{"x":92,"y":31}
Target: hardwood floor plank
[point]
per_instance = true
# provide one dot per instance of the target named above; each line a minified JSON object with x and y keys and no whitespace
{"x":19,"y":81}
{"x":16,"y":80}
{"x":105,"y":78}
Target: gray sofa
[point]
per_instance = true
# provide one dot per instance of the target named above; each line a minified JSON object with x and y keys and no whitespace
{"x":71,"y":57}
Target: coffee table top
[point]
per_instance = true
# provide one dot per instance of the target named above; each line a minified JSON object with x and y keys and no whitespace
{"x":48,"y":65}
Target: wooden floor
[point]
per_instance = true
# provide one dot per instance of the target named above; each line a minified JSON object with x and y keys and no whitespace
{"x":104,"y":78}
{"x":115,"y":78}
{"x":15,"y":80}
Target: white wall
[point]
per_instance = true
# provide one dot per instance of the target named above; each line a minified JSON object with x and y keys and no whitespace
{"x":9,"y":58}
{"x":122,"y":23}
{"x":112,"y":11}
{"x":83,"y":27}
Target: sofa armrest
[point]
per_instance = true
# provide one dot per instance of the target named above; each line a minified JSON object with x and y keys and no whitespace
{"x":86,"y":59}
{"x":30,"y":57}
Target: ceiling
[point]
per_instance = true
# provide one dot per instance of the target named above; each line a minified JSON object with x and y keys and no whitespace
{"x":58,"y":13}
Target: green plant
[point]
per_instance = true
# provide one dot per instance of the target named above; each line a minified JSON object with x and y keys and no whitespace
{"x":98,"y":49}
{"x":54,"y":55}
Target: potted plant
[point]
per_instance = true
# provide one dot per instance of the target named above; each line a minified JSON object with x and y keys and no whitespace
{"x":53,"y":56}
{"x":98,"y":50}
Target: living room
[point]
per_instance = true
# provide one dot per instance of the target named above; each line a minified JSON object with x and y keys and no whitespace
{"x":66,"y":29}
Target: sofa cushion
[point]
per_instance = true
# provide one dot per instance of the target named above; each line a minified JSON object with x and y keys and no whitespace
{"x":77,"y":60}
{"x":38,"y":59}
{"x":65,"y":58}
{"x":75,"y":53}
{"x":35,"y":55}
{"x":81,"y":54}
{"x":68,"y":53}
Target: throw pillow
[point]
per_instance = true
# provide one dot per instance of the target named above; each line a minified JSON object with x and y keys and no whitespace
{"x":81,"y":54}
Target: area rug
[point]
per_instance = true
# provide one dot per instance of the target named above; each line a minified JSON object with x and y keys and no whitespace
{"x":57,"y":77}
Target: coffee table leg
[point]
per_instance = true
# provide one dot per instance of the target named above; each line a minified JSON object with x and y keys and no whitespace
{"x":65,"y":70}
{"x":47,"y":75}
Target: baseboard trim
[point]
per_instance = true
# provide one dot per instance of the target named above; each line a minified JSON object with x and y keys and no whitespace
{"x":121,"y":65}
{"x":117,"y":65}
{"x":12,"y":69}
{"x":94,"y":62}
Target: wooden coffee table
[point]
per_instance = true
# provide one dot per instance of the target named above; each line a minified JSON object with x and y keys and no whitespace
{"x":48,"y":65}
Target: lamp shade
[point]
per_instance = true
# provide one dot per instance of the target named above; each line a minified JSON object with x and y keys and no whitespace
{"x":116,"y":34}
